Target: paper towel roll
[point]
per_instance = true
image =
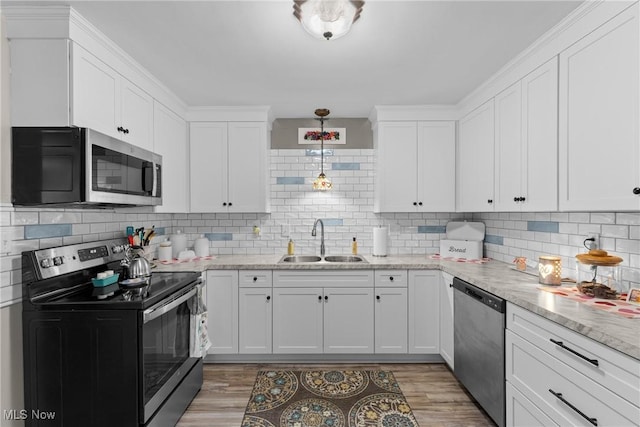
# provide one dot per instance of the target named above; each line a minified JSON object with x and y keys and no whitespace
{"x":380,"y":236}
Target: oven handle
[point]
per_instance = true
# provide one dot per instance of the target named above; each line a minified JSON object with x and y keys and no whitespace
{"x":155,"y":312}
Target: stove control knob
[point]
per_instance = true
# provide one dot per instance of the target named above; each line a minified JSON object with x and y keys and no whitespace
{"x":58,"y":260}
{"x":117,"y":249}
{"x":45,"y":263}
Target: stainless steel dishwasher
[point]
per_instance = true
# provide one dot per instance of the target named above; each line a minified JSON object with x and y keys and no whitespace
{"x":478,"y":346}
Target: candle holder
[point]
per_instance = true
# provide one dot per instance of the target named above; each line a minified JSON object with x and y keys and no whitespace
{"x":549,"y":270}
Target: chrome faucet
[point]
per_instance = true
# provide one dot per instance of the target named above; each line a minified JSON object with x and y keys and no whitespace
{"x":313,"y":233}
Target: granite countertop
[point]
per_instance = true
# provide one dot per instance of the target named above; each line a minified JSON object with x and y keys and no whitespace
{"x":499,"y":278}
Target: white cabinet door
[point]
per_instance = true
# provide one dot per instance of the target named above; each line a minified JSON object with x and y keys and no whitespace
{"x":424,"y":316}
{"x":297,"y":320}
{"x":474,"y":189}
{"x":446,"y":319}
{"x":599,"y":154}
{"x":396,"y":180}
{"x":222,"y":311}
{"x":508,"y":148}
{"x":170,"y":141}
{"x":229,"y":165}
{"x":247,"y":167}
{"x":348,"y":320}
{"x":136,"y":115}
{"x":415,"y":166}
{"x":539,"y":186}
{"x":391,"y":333}
{"x":255,"y":320}
{"x":105,"y":101}
{"x":436,"y":155}
{"x":208,"y":166}
{"x":96,"y":93}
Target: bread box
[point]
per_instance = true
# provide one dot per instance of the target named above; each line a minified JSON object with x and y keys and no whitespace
{"x":463,"y":240}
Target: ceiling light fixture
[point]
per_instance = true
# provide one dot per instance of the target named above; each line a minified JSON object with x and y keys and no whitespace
{"x":327,"y":19}
{"x":322,"y":183}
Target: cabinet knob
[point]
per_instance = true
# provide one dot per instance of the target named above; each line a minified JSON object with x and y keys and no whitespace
{"x":516,"y":199}
{"x":490,"y":201}
{"x":636,"y":190}
{"x":391,"y":278}
{"x":230,"y":203}
{"x":326,"y":298}
{"x":451,"y":285}
{"x":522,"y":199}
{"x":224,"y":203}
{"x":120,"y":129}
{"x":419,"y":203}
{"x":255,"y":279}
{"x":268,"y":297}
{"x":415,"y":203}
{"x":378,"y":297}
{"x":319,"y":297}
{"x":126,"y":130}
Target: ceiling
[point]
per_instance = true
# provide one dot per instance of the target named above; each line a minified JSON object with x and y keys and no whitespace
{"x":234,"y":53}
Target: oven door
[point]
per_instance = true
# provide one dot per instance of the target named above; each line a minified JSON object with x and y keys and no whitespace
{"x":165,"y":349}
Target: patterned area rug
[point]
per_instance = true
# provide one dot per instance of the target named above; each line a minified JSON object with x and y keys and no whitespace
{"x":327,"y":399}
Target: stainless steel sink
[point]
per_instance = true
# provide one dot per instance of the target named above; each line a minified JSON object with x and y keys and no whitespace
{"x":343,"y":258}
{"x":310,"y":259}
{"x":300,"y":258}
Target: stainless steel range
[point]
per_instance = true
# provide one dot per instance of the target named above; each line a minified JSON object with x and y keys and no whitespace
{"x":101,"y":356}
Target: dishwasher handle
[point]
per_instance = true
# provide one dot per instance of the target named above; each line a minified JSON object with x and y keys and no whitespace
{"x":490,"y":300}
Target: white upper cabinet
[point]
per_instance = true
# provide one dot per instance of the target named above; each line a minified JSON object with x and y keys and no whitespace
{"x":58,"y":83}
{"x":415,"y":166}
{"x":228,"y":166}
{"x":170,"y":141}
{"x":599,"y":156}
{"x":526,"y":142}
{"x":105,"y":101}
{"x":475,"y":192}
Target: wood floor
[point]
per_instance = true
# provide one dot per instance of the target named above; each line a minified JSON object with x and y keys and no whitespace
{"x":435,"y":396}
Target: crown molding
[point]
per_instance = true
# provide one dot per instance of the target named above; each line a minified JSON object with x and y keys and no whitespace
{"x":413,"y":112}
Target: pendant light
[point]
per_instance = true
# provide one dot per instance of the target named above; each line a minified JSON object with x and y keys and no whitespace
{"x":322,"y":183}
{"x":327,"y":19}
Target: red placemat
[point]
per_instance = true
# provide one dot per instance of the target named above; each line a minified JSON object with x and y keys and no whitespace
{"x":622,"y":308}
{"x":182,"y":261}
{"x":450,"y":258}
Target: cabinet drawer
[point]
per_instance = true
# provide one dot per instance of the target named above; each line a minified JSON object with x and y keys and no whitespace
{"x":390,"y":278}
{"x":323,"y":278}
{"x":522,"y":412}
{"x":614,"y":370}
{"x":555,"y":387}
{"x":254,"y":278}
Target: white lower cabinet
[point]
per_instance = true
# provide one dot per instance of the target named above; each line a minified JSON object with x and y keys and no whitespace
{"x":323,"y":312}
{"x":297,"y":320}
{"x":424,"y":313}
{"x":446,"y":319}
{"x":391,"y":320}
{"x":348,"y":320}
{"x":222,"y":311}
{"x":560,"y":377}
{"x":255,"y":320}
{"x":522,"y":412}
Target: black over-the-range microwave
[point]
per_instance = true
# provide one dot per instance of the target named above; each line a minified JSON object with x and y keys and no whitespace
{"x":81,"y":167}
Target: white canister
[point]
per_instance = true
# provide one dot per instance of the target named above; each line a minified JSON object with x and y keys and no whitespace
{"x":165,"y":251}
{"x":201,"y":246}
{"x":178,"y":243}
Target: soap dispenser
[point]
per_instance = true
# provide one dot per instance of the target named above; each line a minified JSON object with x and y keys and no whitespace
{"x":290,"y":247}
{"x":354,"y":247}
